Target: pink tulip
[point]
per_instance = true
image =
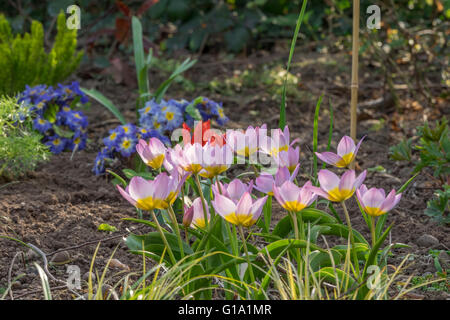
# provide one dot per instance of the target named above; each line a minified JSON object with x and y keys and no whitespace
{"x":243,"y":143}
{"x":189,"y":158}
{"x":346,"y":153}
{"x":195,"y":216}
{"x":244,"y":213}
{"x":338,"y":189}
{"x":278,"y":143}
{"x":147,"y":194}
{"x":266,"y":183}
{"x":216,"y":160}
{"x":374,"y":201}
{"x":153,"y":153}
{"x":289,"y":158}
{"x":293,"y":198}
{"x":234,"y":190}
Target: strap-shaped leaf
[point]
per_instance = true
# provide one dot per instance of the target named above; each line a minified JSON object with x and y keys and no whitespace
{"x":94,"y":94}
{"x":276,"y":247}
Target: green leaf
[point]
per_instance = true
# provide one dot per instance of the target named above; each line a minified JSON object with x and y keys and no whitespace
{"x":276,"y":247}
{"x":62,"y":133}
{"x":159,"y":93}
{"x":153,"y":243}
{"x":324,"y":259}
{"x":282,"y":121}
{"x":50,"y":113}
{"x":94,"y":94}
{"x":335,"y":276}
{"x":283,"y":227}
{"x":106,"y":227}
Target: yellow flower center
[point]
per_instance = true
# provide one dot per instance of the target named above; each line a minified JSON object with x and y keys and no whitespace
{"x":126,"y":144}
{"x":240,"y":219}
{"x":149,"y":204}
{"x":337,"y":195}
{"x":346,"y":160}
{"x":156,"y":162}
{"x":375,"y":212}
{"x":169,"y":116}
{"x":294,"y":206}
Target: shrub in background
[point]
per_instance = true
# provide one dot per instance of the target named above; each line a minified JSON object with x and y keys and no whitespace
{"x":20,"y":146}
{"x":23,"y":60}
{"x":53,"y":116}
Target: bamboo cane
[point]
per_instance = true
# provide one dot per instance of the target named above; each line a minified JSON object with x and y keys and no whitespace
{"x":354,"y":84}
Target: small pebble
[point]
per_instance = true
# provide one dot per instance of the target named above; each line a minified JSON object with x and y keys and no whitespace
{"x":427,"y":240}
{"x":62,"y":257}
{"x":86,"y":277}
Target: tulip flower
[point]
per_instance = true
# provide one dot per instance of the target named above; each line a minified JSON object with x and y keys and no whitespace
{"x":147,"y":194}
{"x":234,"y":190}
{"x":289,"y":158}
{"x":375,"y":202}
{"x":266,"y":183}
{"x":346,"y":153}
{"x":190,"y":157}
{"x":174,"y":184}
{"x":338,"y":189}
{"x":293,"y":198}
{"x":244,"y":213}
{"x":277,"y":143}
{"x":243,"y":143}
{"x":216,"y":160}
{"x":153,"y":153}
{"x":196,"y":215}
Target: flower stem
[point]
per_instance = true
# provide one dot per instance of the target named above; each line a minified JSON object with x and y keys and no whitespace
{"x":372,"y":230}
{"x":177,"y":230}
{"x":161,"y":232}
{"x":250,"y":267}
{"x":200,"y":192}
{"x":352,"y":238}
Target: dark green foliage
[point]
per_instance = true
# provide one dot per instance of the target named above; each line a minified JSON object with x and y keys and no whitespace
{"x":438,"y":208}
{"x":23,"y":60}
{"x":434,"y":153}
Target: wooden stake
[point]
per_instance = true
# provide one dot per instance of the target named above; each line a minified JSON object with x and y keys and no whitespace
{"x":354,"y":84}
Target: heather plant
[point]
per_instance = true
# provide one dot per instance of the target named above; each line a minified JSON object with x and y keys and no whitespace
{"x":53,"y":115}
{"x":23,"y":59}
{"x":20,"y":146}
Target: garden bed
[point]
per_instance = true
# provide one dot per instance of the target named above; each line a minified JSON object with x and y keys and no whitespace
{"x":62,"y":203}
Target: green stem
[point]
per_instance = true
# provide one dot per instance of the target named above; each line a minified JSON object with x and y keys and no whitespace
{"x":200,"y":192}
{"x":372,"y":230}
{"x":161,"y":232}
{"x":177,"y":230}
{"x":250,"y":267}
{"x":352,"y":238}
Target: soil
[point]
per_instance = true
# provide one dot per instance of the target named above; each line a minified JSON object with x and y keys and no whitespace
{"x":62,"y":203}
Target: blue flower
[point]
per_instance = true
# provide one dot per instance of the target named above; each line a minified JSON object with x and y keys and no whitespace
{"x":56,"y":144}
{"x":170,"y":116}
{"x":127,"y":146}
{"x":41,"y":125}
{"x":128,"y":130}
{"x":112,"y":139}
{"x":78,"y":141}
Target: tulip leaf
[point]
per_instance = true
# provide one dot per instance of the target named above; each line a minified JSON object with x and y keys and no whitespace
{"x":284,"y":226}
{"x":324,"y":259}
{"x":153,"y":243}
{"x":342,"y":231}
{"x":373,"y":253}
{"x":276,"y":247}
{"x":335,"y":276}
{"x":94,"y":94}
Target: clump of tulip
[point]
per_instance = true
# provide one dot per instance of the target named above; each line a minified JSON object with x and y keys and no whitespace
{"x":197,"y":169}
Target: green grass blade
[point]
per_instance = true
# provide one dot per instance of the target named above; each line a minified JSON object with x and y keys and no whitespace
{"x":44,"y":282}
{"x":316,"y":136}
{"x":282,"y":122}
{"x":94,"y":94}
{"x":140,"y":61}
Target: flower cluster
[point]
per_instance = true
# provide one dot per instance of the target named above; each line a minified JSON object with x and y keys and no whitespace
{"x":52,"y":108}
{"x":234,"y":201}
{"x":166,"y":116}
{"x":156,"y":120}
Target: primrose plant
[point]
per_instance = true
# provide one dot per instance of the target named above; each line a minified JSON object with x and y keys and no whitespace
{"x":53,"y":115}
{"x":196,"y":209}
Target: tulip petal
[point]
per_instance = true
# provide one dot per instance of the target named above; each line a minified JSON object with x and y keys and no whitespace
{"x":328,"y":180}
{"x":223,"y":206}
{"x":345,"y":146}
{"x":126,"y":196}
{"x":329,"y":157}
{"x":347,"y":180}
